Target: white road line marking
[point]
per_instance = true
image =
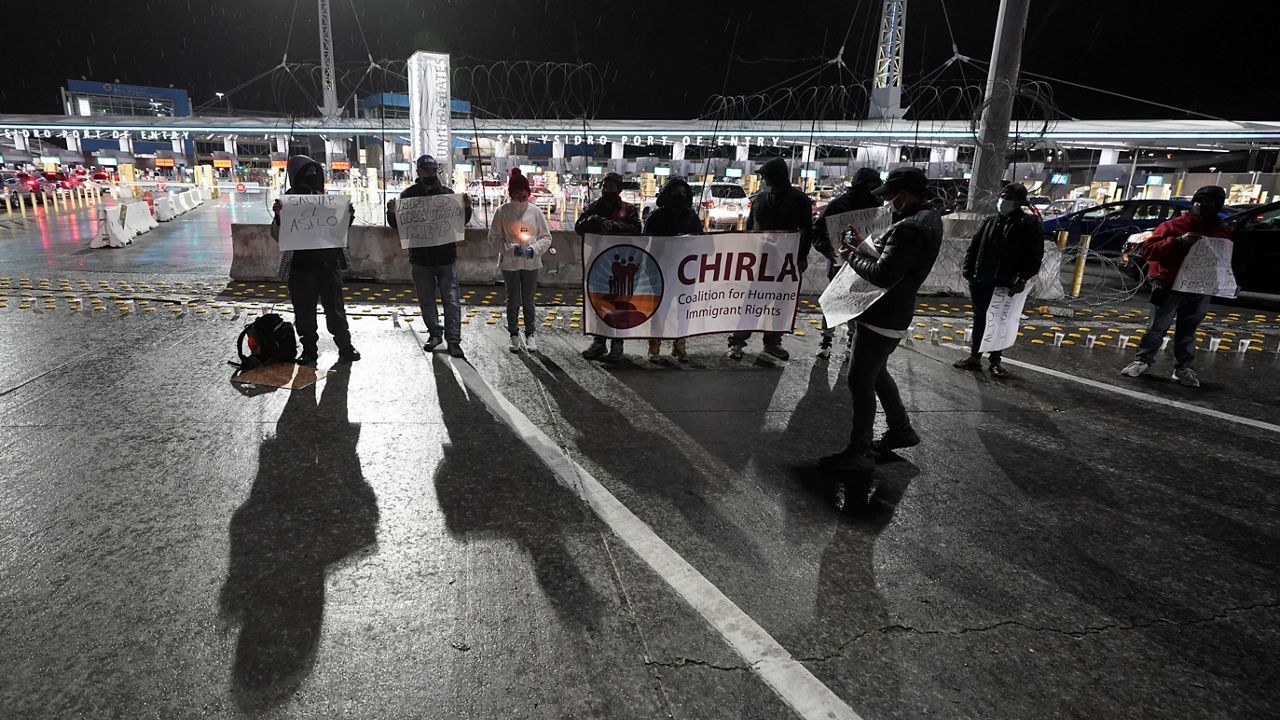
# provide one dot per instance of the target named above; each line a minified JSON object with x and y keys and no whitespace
{"x":1136,"y":394}
{"x":788,"y":677}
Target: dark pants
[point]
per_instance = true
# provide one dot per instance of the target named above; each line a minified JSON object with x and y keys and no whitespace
{"x":521,"y":286}
{"x":1166,"y":304}
{"x":428,"y":280}
{"x":308,"y":285}
{"x":739,"y":339}
{"x":981,"y":294}
{"x":868,"y":379}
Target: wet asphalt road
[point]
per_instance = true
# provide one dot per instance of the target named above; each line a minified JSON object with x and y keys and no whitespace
{"x":381,"y":546}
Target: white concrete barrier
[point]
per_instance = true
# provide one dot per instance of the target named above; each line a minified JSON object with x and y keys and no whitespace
{"x":164,"y":208}
{"x":112,"y":230}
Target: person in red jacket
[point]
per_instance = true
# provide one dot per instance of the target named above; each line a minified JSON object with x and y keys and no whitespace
{"x":1164,"y":251}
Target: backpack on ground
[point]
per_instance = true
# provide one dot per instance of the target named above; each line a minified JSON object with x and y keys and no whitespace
{"x":268,"y":338}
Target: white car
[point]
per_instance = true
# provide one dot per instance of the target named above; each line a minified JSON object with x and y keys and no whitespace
{"x":724,"y":203}
{"x":488,"y":192}
{"x":1064,"y":207}
{"x":632,"y":193}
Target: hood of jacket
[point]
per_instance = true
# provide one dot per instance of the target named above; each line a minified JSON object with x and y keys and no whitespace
{"x":775,"y":174}
{"x":295,"y":167}
{"x":664,"y":196}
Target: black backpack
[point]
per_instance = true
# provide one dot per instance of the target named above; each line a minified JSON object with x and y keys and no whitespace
{"x":269,"y":338}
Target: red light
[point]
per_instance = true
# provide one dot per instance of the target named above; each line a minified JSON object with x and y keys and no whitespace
{"x":708,"y":204}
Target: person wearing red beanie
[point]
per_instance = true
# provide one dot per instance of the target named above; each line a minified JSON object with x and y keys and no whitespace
{"x":522,"y":235}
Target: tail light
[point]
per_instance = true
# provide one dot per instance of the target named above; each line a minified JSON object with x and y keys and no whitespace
{"x":708,"y":203}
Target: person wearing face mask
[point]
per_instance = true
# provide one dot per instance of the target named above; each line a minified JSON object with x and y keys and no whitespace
{"x":1005,"y":252}
{"x":907,"y":251}
{"x":314,"y":275}
{"x":609,"y":215}
{"x":780,"y":206}
{"x":522,"y":234}
{"x":858,"y":197}
{"x":433,"y":267}
{"x":674,"y":216}
{"x":1165,"y":252}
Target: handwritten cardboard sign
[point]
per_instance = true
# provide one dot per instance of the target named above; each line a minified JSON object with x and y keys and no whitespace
{"x":314,"y":222}
{"x":430,"y":220}
{"x":867,"y":222}
{"x":1207,"y":269}
{"x":1003,"y":316}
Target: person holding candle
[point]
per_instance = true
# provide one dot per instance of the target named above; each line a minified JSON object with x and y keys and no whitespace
{"x":522,"y":234}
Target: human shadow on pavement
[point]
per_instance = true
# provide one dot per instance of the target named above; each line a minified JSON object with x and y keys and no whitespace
{"x":641,"y":458}
{"x":308,"y":510}
{"x":490,"y":483}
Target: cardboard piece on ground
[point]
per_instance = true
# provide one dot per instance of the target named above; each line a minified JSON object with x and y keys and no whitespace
{"x":280,"y":375}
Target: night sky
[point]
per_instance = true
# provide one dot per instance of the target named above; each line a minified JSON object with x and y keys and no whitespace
{"x":659,"y":59}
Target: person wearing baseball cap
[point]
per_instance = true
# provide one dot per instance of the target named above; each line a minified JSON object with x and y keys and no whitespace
{"x":433,"y":268}
{"x":1005,"y":252}
{"x":903,"y":257}
{"x":1165,"y":251}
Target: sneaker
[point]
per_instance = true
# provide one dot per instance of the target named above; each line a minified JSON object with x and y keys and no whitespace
{"x":432,"y":343}
{"x":849,"y":460}
{"x":680,"y":352}
{"x":516,"y":345}
{"x":1186,"y":376}
{"x":998,"y":371}
{"x":615,"y":353}
{"x":455,"y":350}
{"x":655,"y":351}
{"x":896,"y":440}
{"x":777,"y":351}
{"x":308,"y":358}
{"x":1136,"y":368}
{"x":530,"y":345}
{"x":735,"y":352}
{"x":969,"y":363}
{"x":596,"y":351}
{"x":349,"y":354}
{"x":824,"y":349}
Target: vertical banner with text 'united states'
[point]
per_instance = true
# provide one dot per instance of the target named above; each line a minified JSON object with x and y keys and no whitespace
{"x":638,"y":286}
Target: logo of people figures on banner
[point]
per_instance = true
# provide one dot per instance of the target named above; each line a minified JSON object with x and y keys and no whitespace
{"x":625,"y":286}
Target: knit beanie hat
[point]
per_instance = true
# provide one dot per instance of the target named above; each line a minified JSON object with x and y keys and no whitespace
{"x":517,"y":182}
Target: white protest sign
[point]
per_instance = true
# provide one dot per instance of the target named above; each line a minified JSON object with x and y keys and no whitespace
{"x":848,"y":296}
{"x":430,"y":220}
{"x":1207,"y":269}
{"x":868,"y":222}
{"x":1003,"y":316}
{"x":314,"y":222}
{"x":636,"y":286}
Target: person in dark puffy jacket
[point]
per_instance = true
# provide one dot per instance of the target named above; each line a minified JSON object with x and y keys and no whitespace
{"x":906,"y":253}
{"x":674,"y":216}
{"x":609,"y":215}
{"x":315,"y":275}
{"x":434,"y":267}
{"x":859,"y":196}
{"x":780,"y":206}
{"x":1005,"y":252}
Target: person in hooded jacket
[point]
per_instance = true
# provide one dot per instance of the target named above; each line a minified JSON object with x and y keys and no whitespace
{"x":609,"y":215}
{"x":778,"y":207}
{"x":434,"y":268}
{"x":314,"y":274}
{"x":907,"y":251}
{"x":522,"y":233}
{"x":674,"y":216}
{"x":858,"y":197}
{"x":1005,"y":252}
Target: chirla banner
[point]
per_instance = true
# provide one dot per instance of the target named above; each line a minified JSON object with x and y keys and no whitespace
{"x":430,"y":220}
{"x":1207,"y":269}
{"x":638,"y":286}
{"x":1003,"y":316}
{"x":314,"y":222}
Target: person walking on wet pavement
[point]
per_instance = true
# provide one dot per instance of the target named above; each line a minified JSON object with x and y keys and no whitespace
{"x":434,"y":268}
{"x":1005,"y":252}
{"x":674,"y":216}
{"x":1165,"y":252}
{"x":522,"y":233}
{"x":858,"y":197}
{"x":778,"y":207}
{"x":907,"y":251}
{"x":314,"y":275}
{"x":609,"y":215}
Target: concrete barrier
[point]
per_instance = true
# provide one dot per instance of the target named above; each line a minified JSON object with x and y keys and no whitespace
{"x":164,"y":208}
{"x":112,"y":229}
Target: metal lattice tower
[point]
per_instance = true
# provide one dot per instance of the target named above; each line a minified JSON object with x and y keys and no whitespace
{"x":330,"y":106}
{"x":886,"y":92}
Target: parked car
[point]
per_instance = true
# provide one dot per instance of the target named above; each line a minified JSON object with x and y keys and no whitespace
{"x":488,"y":192}
{"x":543,"y":198}
{"x":1255,"y":249}
{"x":1058,"y":208}
{"x":24,"y":185}
{"x":632,"y":193}
{"x":1039,"y":202}
{"x":1112,"y":224}
{"x":822,"y":196}
{"x":724,"y":203}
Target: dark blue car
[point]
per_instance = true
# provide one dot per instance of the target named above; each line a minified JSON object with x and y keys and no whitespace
{"x":1111,"y":224}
